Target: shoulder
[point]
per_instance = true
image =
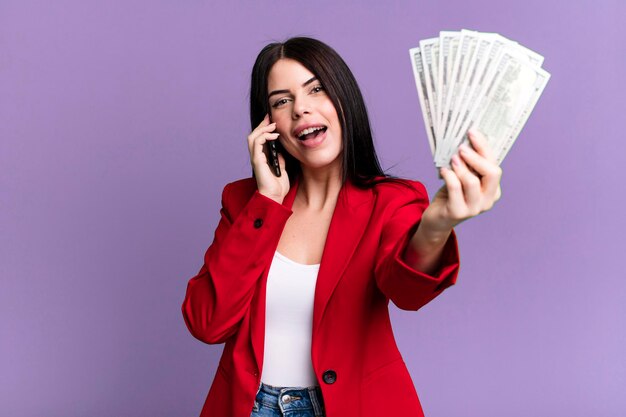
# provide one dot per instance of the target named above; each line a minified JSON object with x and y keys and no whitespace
{"x":399,"y":189}
{"x":399,"y":202}
{"x":236,"y":194}
{"x":241,"y":189}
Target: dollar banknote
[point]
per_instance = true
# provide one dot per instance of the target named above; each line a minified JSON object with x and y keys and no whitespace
{"x":469,"y":79}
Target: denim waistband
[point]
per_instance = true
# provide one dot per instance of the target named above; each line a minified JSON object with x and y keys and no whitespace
{"x":292,"y":398}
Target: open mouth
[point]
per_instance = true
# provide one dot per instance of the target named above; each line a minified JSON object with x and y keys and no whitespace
{"x":312,"y":133}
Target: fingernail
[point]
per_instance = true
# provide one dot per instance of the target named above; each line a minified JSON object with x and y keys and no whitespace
{"x":455,"y":160}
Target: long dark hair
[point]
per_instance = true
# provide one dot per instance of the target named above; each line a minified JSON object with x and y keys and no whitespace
{"x":360,"y":162}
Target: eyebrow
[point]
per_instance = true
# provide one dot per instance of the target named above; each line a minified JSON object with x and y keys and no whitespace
{"x":307,"y":82}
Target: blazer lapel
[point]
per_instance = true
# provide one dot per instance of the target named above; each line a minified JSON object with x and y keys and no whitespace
{"x":347,"y":225}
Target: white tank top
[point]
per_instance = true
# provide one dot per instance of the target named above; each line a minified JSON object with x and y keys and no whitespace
{"x":289,"y":323}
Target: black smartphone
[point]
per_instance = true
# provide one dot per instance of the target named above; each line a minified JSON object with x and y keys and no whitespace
{"x":271,"y":151}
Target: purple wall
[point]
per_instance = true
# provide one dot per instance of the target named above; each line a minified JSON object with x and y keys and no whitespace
{"x":120,"y":124}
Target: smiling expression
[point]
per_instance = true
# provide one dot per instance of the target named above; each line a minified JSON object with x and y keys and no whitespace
{"x":305,"y":116}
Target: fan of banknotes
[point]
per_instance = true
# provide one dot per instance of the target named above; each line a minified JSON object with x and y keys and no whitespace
{"x":472,"y":79}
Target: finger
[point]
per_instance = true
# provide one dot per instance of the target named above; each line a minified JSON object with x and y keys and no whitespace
{"x":455,"y":190}
{"x":471,"y":185}
{"x":481,"y":144}
{"x":262,"y":129}
{"x":489,"y":172}
{"x":259,"y":140}
{"x":259,"y":131}
{"x":263,"y":126}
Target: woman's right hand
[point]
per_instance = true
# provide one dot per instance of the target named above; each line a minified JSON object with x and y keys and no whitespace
{"x":268,"y":184}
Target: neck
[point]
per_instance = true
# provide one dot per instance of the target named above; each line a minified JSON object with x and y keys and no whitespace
{"x":318,"y":188}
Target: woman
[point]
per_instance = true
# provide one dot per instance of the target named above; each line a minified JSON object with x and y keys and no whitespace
{"x":302,"y":267}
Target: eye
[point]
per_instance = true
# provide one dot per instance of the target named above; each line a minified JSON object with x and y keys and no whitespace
{"x":317,"y":89}
{"x":279,"y":103}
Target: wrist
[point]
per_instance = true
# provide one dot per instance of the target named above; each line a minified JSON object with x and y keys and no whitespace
{"x":433,"y":227}
{"x":425,"y":239}
{"x":424,"y":250}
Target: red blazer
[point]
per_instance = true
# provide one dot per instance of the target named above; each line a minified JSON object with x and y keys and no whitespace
{"x":354,"y":354}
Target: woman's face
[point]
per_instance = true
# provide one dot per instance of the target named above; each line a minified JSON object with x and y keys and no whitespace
{"x":299,"y":104}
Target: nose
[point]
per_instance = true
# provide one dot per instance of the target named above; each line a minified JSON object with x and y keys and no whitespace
{"x":300,"y":107}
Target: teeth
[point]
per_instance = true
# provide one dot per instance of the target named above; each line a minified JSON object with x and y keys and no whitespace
{"x":309,"y":130}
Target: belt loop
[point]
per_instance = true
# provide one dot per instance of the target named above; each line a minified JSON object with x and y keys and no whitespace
{"x":316,"y":401}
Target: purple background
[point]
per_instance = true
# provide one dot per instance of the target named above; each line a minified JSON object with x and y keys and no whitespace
{"x":120,"y":122}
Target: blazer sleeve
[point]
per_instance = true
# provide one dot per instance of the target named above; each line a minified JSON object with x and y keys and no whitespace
{"x":218,"y":297}
{"x":410,"y":289}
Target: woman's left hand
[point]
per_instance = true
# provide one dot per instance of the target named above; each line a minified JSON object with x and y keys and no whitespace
{"x":471,"y":187}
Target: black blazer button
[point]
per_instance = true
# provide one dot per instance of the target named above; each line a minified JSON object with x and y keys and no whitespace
{"x":329,"y":376}
{"x":258,"y":223}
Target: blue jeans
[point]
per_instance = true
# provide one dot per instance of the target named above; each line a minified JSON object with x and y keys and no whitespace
{"x":288,"y":402}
